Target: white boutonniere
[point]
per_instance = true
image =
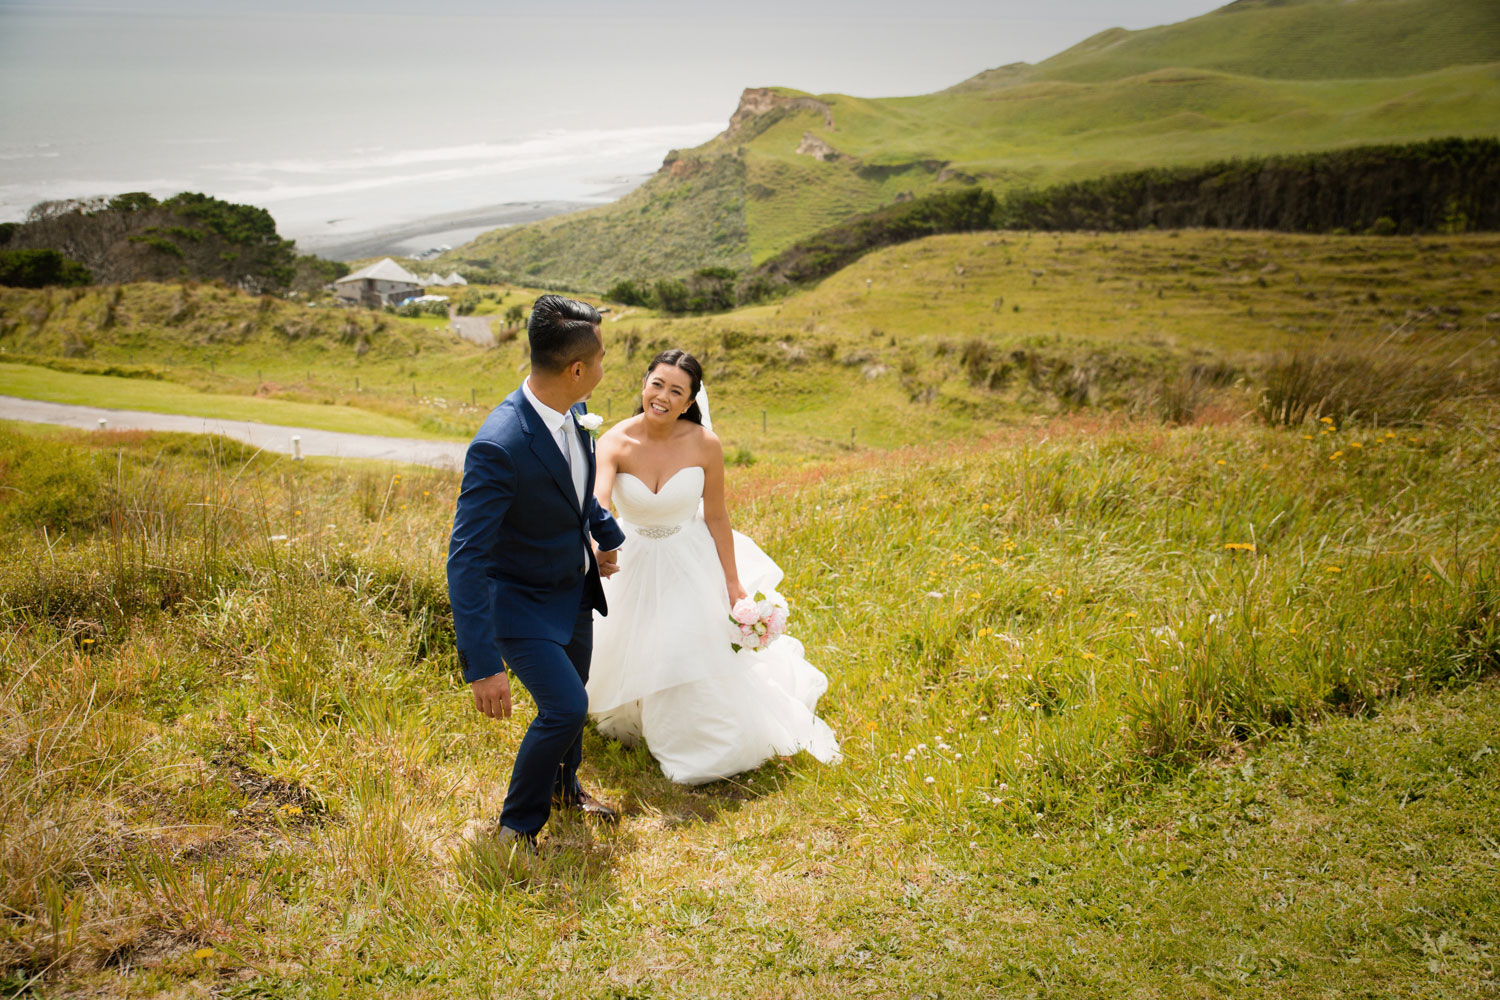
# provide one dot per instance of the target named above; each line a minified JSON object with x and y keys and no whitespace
{"x":590,"y":421}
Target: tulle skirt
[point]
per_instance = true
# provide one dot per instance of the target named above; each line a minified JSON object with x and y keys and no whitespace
{"x":663,"y":670}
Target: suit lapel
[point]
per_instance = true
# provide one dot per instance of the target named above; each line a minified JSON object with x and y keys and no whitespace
{"x":587,"y":441}
{"x":544,"y":447}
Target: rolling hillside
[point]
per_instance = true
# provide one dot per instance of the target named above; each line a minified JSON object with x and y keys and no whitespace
{"x":1255,"y":77}
{"x":931,"y":340}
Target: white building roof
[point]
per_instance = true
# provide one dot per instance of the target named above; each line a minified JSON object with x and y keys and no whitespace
{"x":384,"y":270}
{"x":454,"y":278}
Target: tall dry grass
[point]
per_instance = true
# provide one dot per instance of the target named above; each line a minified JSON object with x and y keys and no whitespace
{"x":234,"y":738}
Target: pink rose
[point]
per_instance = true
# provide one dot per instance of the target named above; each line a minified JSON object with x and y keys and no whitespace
{"x":745,"y":612}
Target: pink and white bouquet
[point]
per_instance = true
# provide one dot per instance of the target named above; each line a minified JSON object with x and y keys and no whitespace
{"x":757,"y":622}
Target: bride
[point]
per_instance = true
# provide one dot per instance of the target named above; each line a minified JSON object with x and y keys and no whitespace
{"x":663,"y":669}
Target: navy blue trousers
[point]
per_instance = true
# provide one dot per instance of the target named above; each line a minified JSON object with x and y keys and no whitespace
{"x":550,"y":752}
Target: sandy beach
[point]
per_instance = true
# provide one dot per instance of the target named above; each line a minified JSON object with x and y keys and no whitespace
{"x":452,"y":228}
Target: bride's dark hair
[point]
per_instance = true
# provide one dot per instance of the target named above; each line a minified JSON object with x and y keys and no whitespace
{"x":678,"y":358}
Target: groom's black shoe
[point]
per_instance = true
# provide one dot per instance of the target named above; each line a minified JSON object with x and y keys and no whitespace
{"x":522,"y":844}
{"x":587,"y":805}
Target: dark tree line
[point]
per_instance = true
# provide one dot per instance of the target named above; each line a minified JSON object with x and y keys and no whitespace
{"x":41,"y":268}
{"x":135,"y":237}
{"x":1445,"y":185}
{"x":833,"y":249}
{"x":714,"y":289}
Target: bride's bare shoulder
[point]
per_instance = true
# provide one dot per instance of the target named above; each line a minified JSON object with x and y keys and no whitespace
{"x":706,"y":441}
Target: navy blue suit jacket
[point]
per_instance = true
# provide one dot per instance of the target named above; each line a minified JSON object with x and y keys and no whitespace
{"x":516,"y":557}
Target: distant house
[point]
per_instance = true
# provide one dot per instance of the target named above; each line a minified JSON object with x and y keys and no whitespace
{"x":454,"y":278}
{"x":382,"y":284}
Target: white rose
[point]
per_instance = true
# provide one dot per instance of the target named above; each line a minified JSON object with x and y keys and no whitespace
{"x":590,"y":421}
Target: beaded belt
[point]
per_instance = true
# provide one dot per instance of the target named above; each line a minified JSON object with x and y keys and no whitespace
{"x":663,"y":531}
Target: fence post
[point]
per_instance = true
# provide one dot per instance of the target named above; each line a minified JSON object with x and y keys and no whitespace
{"x":103,"y":423}
{"x":296,"y":447}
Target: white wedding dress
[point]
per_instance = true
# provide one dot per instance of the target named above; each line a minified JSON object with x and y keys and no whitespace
{"x":663,"y":669}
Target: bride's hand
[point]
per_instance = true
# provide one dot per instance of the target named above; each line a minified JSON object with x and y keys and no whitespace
{"x":736,"y":593}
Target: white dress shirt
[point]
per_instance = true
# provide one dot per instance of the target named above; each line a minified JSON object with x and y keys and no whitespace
{"x":562,"y":427}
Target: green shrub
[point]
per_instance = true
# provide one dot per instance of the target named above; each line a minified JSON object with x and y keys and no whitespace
{"x":628,"y":293}
{"x":40,"y":268}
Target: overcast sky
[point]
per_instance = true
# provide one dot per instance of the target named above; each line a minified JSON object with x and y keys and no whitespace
{"x":865,"y":47}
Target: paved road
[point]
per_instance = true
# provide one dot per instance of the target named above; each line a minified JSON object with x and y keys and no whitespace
{"x":475,"y":328}
{"x":271,"y":437}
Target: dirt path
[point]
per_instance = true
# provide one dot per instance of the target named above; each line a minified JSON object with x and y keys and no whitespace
{"x":271,"y":437}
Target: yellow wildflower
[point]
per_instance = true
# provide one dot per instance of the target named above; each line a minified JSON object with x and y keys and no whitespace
{"x":204,"y":953}
{"x":1336,"y":455}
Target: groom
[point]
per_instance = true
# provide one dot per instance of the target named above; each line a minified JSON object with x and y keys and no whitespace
{"x":523,"y":577}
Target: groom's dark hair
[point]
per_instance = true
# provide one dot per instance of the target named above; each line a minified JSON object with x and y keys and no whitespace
{"x":561,"y":331}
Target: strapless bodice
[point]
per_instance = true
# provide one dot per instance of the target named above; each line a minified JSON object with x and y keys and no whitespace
{"x":653,"y":514}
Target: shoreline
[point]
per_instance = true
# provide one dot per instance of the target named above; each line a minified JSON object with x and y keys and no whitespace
{"x":406,"y":239}
{"x":409,"y":238}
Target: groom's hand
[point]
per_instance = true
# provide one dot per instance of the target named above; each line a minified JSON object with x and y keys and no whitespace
{"x":609,"y":562}
{"x":492,"y":695}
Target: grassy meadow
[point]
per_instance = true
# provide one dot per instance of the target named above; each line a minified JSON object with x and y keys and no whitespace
{"x":927,"y":341}
{"x":1126,"y":709}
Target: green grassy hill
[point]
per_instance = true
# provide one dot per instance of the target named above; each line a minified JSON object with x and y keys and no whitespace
{"x":922,"y":341}
{"x":1248,"y":79}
